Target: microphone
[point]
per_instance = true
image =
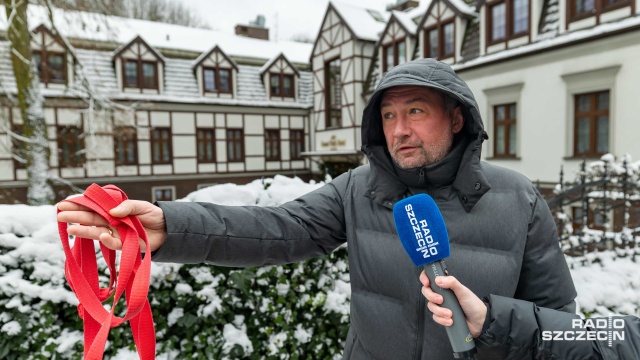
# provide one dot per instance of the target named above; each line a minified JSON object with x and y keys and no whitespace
{"x":424,"y":237}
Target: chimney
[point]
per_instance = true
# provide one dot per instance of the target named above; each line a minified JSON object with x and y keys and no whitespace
{"x":255,"y":29}
{"x":403,"y":5}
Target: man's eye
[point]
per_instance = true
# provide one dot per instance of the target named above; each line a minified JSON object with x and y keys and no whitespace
{"x":415,"y":111}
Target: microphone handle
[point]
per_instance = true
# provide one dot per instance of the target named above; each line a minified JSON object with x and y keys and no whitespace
{"x":459,"y":335}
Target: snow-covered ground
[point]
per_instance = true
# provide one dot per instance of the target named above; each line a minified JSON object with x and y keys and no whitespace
{"x":30,"y":234}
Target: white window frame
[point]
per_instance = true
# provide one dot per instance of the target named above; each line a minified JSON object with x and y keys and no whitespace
{"x":502,"y":95}
{"x":587,"y":82}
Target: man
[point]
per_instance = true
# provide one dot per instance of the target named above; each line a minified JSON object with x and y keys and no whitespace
{"x":421,"y":132}
{"x":526,"y":331}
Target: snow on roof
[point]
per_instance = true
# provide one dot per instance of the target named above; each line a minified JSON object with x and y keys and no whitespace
{"x":268,"y":64}
{"x":405,"y":20}
{"x":95,"y":27}
{"x":560,"y":39}
{"x":366,"y":24}
{"x":463,"y":7}
{"x":122,"y":47}
{"x":180,"y":83}
{"x":207,"y":53}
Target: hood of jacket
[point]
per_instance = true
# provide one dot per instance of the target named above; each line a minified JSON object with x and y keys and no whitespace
{"x":469,"y":184}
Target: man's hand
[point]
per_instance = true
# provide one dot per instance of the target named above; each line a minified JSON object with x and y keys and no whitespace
{"x":93,"y":226}
{"x":474,"y":309}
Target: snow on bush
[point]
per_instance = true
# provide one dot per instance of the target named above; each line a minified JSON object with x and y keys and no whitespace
{"x":205,"y":312}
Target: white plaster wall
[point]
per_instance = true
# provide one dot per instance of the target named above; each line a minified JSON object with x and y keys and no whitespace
{"x":546,"y":115}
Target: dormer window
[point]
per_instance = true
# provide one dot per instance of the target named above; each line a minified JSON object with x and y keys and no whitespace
{"x":49,"y":54}
{"x":394,"y":54}
{"x":217,"y":80}
{"x":440,"y":41}
{"x":279,"y":78}
{"x":507,"y":19}
{"x":216,"y":74}
{"x":580,"y":9}
{"x":282,"y":85}
{"x":139,"y":68}
{"x":52,"y":66}
{"x":140,"y":74}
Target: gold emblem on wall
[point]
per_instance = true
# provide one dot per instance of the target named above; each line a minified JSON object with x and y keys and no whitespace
{"x":333,"y":143}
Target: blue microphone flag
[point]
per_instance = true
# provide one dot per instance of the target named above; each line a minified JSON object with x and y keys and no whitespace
{"x":421,"y":229}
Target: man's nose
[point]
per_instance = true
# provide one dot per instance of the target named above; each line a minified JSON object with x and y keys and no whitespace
{"x":403,"y":128}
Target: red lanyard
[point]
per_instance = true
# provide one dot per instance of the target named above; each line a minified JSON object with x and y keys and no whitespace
{"x":81,"y":271}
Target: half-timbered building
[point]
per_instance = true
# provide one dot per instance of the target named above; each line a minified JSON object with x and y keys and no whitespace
{"x":553,"y":78}
{"x":159,"y":110}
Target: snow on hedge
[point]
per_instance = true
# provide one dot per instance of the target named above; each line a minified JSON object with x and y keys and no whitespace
{"x":32,"y":291}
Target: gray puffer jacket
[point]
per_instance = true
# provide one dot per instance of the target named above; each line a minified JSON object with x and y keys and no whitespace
{"x":503,"y":237}
{"x":527,"y":332}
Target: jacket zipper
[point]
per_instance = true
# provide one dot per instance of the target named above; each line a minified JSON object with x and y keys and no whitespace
{"x":422,"y":300}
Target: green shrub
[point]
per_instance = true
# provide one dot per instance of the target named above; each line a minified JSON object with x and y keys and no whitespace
{"x":296,"y":311}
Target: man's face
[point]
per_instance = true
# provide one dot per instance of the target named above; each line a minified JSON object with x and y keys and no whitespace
{"x":416,"y":125}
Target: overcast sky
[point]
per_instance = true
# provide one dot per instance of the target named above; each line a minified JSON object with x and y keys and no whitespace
{"x":284,"y":18}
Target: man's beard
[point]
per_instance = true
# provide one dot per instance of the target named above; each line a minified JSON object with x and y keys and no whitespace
{"x":422,"y":155}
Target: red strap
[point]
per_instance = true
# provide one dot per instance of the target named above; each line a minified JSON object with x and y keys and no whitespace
{"x":81,"y":271}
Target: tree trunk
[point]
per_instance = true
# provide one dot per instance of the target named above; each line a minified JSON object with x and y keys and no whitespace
{"x":31,"y":103}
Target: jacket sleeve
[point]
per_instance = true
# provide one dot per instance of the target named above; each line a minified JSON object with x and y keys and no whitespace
{"x":544,"y":277}
{"x":526,"y":331}
{"x":309,"y":226}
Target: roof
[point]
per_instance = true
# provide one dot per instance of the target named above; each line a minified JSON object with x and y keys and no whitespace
{"x":206,"y":54}
{"x":138,"y":39}
{"x":366,"y":24}
{"x":268,"y":64}
{"x":550,"y":18}
{"x":463,"y":7}
{"x":180,"y":83}
{"x":405,"y":20}
{"x":95,"y":27}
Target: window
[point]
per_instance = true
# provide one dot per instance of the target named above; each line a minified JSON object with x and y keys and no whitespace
{"x":272,"y":145}
{"x":19,"y":161}
{"x":206,"y":143}
{"x":394,"y":54}
{"x":161,"y":145}
{"x":235,"y":145}
{"x":125,"y":141}
{"x":149,"y":75}
{"x":401,"y":51}
{"x":287,"y":81}
{"x":520,"y":16}
{"x":164,"y":193}
{"x":140,"y":74}
{"x":52,"y":67}
{"x":440,"y":41}
{"x":591,"y":124}
{"x":504,"y":130}
{"x":70,"y":146}
{"x":282,"y":85}
{"x":580,"y":9}
{"x":433,"y":44}
{"x":507,"y":20}
{"x":217,"y":80}
{"x":296,"y":144}
{"x":333,"y":94}
{"x":498,"y":22}
{"x":595,"y":219}
{"x":388,"y":58}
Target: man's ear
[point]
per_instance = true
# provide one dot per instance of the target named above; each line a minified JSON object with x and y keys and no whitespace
{"x":458,"y":120}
